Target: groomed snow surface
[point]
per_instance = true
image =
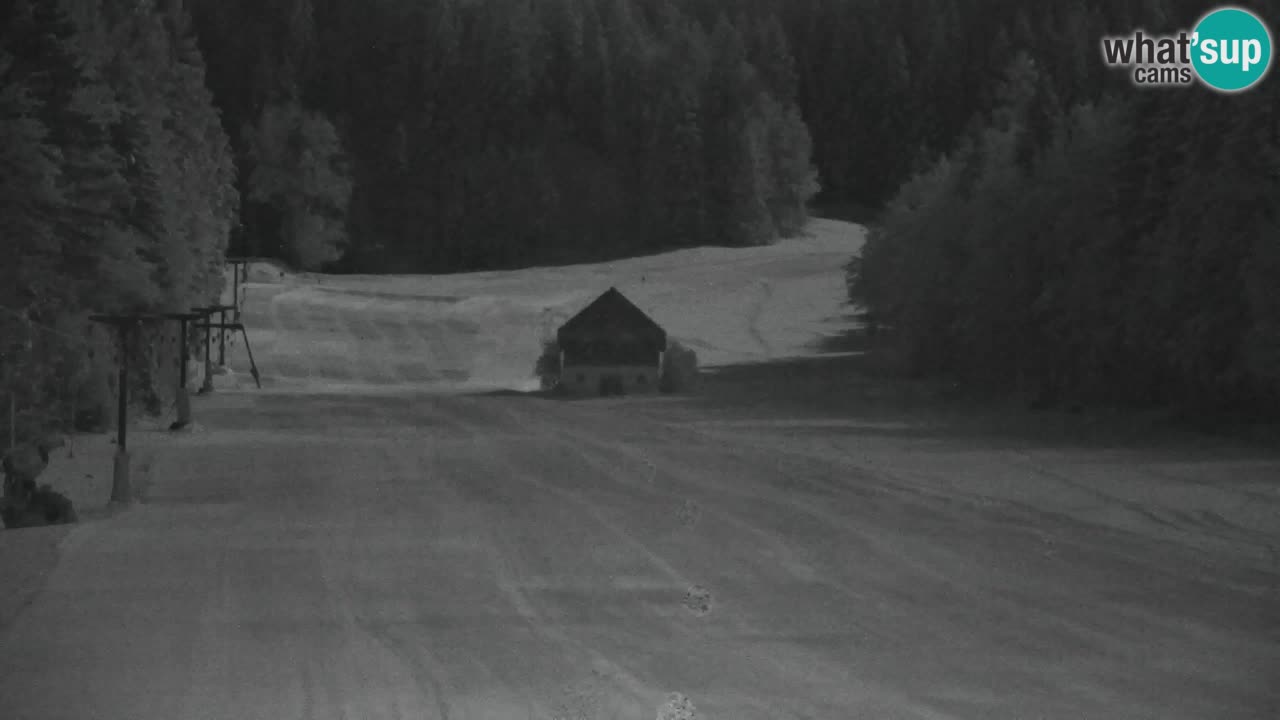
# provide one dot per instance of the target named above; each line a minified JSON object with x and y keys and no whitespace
{"x":374,"y":535}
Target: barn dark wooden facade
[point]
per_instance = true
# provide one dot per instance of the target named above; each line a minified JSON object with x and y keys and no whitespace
{"x":611,"y":347}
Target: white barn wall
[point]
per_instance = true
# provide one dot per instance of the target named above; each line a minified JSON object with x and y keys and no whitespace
{"x":585,"y":379}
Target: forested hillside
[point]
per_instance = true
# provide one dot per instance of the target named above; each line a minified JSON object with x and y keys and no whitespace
{"x":1088,"y":241}
{"x":1041,"y":222}
{"x":454,"y":135}
{"x":116,"y":189}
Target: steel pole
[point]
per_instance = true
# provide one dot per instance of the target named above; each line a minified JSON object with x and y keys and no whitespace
{"x":183,"y":350}
{"x":222,"y":338}
{"x":207,"y":386}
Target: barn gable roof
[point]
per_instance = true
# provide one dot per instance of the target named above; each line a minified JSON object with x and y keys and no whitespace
{"x":612,"y":313}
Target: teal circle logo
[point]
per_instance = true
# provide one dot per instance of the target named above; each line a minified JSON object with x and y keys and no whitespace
{"x":1231,"y":49}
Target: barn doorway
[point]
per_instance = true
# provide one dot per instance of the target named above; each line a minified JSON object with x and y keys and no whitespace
{"x":611,"y":385}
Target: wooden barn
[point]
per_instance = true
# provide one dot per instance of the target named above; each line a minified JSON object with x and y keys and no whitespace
{"x":611,"y":348}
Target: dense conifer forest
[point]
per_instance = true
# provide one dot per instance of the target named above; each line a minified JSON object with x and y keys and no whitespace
{"x":1036,"y":220}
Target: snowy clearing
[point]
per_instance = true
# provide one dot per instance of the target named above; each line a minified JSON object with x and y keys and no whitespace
{"x":353,"y":541}
{"x":482,"y":330}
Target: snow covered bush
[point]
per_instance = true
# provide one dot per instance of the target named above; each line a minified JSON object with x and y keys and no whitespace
{"x":679,"y":369}
{"x":547,"y":368}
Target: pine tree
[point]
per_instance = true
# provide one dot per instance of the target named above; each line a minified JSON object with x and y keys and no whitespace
{"x":210,"y":201}
{"x":731,"y":142}
{"x":98,"y":256}
{"x":30,"y":196}
{"x":794,"y":179}
{"x":769,"y":51}
{"x":299,"y":172}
